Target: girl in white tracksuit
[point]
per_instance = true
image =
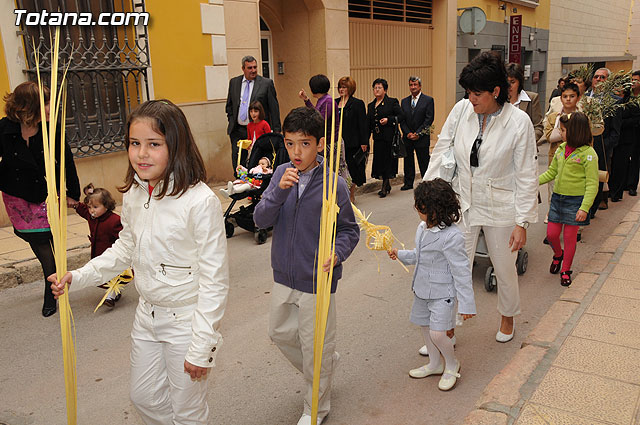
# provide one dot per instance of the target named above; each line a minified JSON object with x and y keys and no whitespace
{"x":173,"y":237}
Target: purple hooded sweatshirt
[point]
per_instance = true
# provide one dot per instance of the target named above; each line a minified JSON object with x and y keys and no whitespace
{"x":296,"y":228}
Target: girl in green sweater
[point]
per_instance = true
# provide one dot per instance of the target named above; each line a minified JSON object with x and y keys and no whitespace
{"x":574,"y":169}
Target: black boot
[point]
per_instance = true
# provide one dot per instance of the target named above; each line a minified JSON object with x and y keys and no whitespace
{"x":49,"y":306}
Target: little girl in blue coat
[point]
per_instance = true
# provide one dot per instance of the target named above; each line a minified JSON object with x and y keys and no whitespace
{"x":441,"y":275}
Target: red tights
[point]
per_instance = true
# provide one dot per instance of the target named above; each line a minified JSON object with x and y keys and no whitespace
{"x":570,"y":238}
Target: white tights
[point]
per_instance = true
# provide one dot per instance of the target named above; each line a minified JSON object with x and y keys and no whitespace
{"x":439,"y":343}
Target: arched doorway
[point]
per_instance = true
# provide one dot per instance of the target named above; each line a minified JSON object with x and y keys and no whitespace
{"x":266,"y":50}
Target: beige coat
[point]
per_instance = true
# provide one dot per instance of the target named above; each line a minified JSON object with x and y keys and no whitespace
{"x":532,"y":108}
{"x":503,"y":190}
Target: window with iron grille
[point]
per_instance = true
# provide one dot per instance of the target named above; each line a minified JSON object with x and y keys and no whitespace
{"x":416,"y":11}
{"x":107,"y":75}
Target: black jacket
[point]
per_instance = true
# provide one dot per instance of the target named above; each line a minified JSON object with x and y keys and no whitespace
{"x":22,"y":167}
{"x":389,"y":108}
{"x":629,"y":118}
{"x":355,"y":129}
{"x":419,"y":118}
{"x":263,"y":91}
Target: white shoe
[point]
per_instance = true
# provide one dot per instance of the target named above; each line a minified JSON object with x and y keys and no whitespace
{"x":230,"y":188}
{"x":500,"y":337}
{"x":306,"y":420}
{"x":423,"y":350}
{"x":449,"y":378}
{"x":424,"y":371}
{"x":226,"y":192}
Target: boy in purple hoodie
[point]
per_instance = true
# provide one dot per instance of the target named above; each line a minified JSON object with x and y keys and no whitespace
{"x":292,"y":204}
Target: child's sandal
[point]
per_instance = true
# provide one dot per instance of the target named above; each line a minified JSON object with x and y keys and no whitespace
{"x":565,"y":278}
{"x":556,"y":263}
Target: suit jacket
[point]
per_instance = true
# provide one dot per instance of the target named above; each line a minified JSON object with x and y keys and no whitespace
{"x":389,"y":108}
{"x":419,"y":118}
{"x":355,"y":130}
{"x":263,"y":91}
{"x":532,"y":108}
{"x":442,"y":266}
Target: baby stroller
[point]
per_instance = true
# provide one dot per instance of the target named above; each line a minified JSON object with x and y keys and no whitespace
{"x":270,"y":145}
{"x":490,"y":280}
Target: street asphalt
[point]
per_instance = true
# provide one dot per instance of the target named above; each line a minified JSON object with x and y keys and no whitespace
{"x":253,"y":383}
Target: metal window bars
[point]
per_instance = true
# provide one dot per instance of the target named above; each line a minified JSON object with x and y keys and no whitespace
{"x":107,"y":75}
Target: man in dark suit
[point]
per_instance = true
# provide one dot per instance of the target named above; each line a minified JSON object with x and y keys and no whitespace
{"x":243,"y":90}
{"x":418,"y":109}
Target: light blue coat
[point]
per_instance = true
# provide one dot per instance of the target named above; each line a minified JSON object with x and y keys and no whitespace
{"x":442,"y":266}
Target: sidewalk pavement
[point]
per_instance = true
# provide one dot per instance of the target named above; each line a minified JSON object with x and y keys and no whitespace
{"x":18,"y":263}
{"x":581,"y":363}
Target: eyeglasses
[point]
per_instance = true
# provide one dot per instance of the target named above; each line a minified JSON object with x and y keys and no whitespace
{"x":473,"y":158}
{"x":600,"y":77}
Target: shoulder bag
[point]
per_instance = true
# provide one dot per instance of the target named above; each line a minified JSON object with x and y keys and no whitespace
{"x":448,"y":166}
{"x":398,"y":149}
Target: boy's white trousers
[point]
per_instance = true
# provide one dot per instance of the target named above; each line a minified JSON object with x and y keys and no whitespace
{"x":291,"y":328}
{"x":161,"y":390}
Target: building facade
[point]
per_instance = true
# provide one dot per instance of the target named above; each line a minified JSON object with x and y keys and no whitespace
{"x":495,"y":37}
{"x":190,"y":50}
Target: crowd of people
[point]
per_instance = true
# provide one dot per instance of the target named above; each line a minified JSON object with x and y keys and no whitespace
{"x":480,"y":181}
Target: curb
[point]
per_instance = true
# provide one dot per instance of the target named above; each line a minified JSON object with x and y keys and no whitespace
{"x":27,"y":271}
{"x":503,"y":398}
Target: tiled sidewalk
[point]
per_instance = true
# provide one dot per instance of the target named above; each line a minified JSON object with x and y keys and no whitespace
{"x":581,"y":364}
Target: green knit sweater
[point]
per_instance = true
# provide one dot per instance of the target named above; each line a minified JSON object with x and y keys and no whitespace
{"x":576,"y":175}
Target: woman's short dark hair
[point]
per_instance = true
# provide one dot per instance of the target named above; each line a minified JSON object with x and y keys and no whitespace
{"x":578,"y":129}
{"x":485,"y":72}
{"x":319,"y":84}
{"x":349,"y":83}
{"x":438,"y":201}
{"x":571,"y":86}
{"x":185,"y":162}
{"x":515,"y":70}
{"x":382,"y":81}
{"x":100,"y":194}
{"x":257,"y":106}
{"x":23,"y":105}
{"x":304,"y":120}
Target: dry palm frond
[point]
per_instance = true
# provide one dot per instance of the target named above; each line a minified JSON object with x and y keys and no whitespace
{"x":115,"y":285}
{"x":379,"y":238}
{"x":326,"y":250}
{"x":242,"y":144}
{"x":57,"y":212}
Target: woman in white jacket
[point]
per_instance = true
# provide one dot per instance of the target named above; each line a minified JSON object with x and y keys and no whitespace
{"x":173,"y":236}
{"x":496,"y":177}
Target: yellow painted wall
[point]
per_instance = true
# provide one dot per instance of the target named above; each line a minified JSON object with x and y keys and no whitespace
{"x":179,"y":50}
{"x":4,"y":77}
{"x":531,"y":17}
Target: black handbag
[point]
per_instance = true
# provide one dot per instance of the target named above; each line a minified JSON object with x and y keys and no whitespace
{"x":398,"y":149}
{"x":360,"y":157}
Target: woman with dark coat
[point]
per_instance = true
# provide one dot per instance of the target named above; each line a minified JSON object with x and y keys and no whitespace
{"x":355,"y":132}
{"x":22,"y":177}
{"x":383,"y":115}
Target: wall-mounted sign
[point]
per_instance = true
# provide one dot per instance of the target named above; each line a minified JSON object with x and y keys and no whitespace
{"x":472,"y":20}
{"x":515,"y":39}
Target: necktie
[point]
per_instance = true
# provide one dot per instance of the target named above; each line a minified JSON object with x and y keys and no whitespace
{"x":413,"y":102}
{"x":244,"y":104}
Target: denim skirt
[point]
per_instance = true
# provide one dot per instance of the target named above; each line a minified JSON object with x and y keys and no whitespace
{"x":563,"y":209}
